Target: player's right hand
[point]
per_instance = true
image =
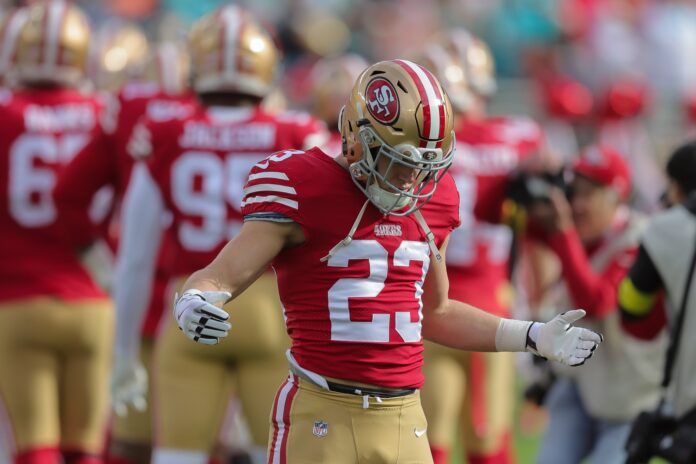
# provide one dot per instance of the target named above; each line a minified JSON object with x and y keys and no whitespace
{"x":128,"y":385}
{"x":199,"y":318}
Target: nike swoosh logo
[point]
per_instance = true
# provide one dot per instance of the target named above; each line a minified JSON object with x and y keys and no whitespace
{"x":419,"y":433}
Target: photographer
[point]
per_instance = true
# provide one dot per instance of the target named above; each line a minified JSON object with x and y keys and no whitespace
{"x":594,"y":236}
{"x":664,"y":266}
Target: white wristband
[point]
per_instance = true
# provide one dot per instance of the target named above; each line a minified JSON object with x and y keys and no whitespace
{"x":512,"y":335}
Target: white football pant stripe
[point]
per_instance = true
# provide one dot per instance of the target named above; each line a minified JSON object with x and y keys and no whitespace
{"x":280,"y":413}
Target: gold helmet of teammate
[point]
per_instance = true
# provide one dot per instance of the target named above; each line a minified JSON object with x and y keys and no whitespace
{"x":231,"y":52}
{"x":397,"y":115}
{"x":118,"y":55}
{"x":332,"y":80}
{"x":464,"y":65}
{"x":168,"y":65}
{"x":52,"y":44}
{"x":476,"y":60}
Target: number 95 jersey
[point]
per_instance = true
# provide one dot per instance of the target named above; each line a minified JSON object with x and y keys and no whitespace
{"x":356,"y":316}
{"x":200,"y":163}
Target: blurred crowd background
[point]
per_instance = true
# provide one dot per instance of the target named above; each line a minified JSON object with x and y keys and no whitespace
{"x":583,"y":61}
{"x":577,"y":66}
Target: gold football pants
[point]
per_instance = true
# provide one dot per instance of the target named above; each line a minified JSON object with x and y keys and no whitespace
{"x":54,"y":371}
{"x":193,"y":382}
{"x":471,"y":392}
{"x":310,"y":425}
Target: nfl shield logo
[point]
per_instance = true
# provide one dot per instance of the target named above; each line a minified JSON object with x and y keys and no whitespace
{"x":320,"y":429}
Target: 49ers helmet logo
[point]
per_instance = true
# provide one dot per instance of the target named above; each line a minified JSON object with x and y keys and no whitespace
{"x":382,"y":100}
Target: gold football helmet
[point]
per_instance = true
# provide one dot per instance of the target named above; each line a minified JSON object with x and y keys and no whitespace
{"x":52,"y":44}
{"x":465,"y":64}
{"x":332,"y":79}
{"x":118,"y":55}
{"x":231,"y":52}
{"x":397,"y":115}
{"x":168,"y":66}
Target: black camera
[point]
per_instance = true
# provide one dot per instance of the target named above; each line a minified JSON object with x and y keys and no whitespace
{"x":544,"y":378}
{"x":655,"y":434}
{"x":527,"y":189}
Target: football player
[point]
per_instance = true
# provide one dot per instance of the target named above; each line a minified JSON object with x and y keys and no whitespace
{"x":476,"y":389}
{"x":118,"y":55}
{"x":358,"y":244}
{"x":332,"y":79}
{"x":195,"y":166}
{"x":55,"y":323}
{"x":160,"y":93}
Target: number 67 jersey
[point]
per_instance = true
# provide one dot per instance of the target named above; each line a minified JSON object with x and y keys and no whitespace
{"x":42,"y":130}
{"x":357,"y":315}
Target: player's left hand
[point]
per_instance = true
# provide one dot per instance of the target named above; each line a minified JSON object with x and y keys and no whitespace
{"x":558,"y":340}
{"x":199,"y":317}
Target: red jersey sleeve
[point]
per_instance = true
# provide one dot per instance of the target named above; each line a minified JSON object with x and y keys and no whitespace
{"x":91,"y":169}
{"x":592,"y":291}
{"x":272,"y":190}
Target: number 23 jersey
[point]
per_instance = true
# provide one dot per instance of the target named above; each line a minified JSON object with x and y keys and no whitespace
{"x":356,"y":316}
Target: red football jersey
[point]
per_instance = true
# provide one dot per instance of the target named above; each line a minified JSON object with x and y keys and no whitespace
{"x":200,"y":165}
{"x":478,"y":253}
{"x":138,"y":99}
{"x":42,"y":131}
{"x":108,"y":168}
{"x":358,"y":315}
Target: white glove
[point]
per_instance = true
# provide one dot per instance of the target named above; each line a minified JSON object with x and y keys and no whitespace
{"x":199,"y":318}
{"x":558,"y":340}
{"x":128,"y":385}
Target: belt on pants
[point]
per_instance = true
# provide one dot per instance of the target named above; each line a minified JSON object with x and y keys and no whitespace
{"x":362,"y":391}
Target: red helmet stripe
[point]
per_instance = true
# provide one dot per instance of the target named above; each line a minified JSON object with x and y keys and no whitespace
{"x":232,"y":19}
{"x":55,"y":13}
{"x":440,"y":106}
{"x":433,"y":104}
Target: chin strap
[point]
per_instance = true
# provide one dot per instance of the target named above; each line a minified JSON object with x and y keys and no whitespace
{"x":349,"y":238}
{"x":428,"y":234}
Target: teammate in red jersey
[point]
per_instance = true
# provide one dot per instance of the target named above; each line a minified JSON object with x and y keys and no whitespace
{"x":461,"y":385}
{"x":55,"y":323}
{"x":358,"y":244}
{"x":195,"y":167}
{"x":160,"y":93}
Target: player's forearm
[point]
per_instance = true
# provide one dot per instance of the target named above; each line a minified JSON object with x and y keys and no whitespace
{"x":242,"y":260}
{"x":462,"y":326}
